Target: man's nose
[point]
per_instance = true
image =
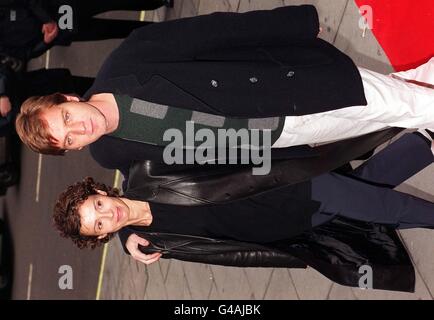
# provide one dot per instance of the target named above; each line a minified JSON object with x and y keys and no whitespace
{"x":78,"y":127}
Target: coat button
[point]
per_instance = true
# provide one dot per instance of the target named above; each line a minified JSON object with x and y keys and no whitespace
{"x":253,"y":79}
{"x":214,"y":83}
{"x":290,"y":74}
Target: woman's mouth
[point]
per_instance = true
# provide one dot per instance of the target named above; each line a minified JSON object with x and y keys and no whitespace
{"x":118,"y":214}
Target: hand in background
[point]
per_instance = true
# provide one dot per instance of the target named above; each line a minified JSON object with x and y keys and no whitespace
{"x":5,"y":106}
{"x":50,"y":31}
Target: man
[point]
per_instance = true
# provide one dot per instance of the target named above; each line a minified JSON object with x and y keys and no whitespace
{"x":220,"y":72}
{"x":30,"y":27}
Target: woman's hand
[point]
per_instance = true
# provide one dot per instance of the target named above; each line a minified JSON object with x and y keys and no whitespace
{"x":132,"y":245}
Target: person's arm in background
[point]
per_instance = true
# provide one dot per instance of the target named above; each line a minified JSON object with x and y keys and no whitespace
{"x":49,"y":23}
{"x":5,"y":79}
{"x":5,"y":99}
{"x":49,"y":27}
{"x":226,"y":30}
{"x":37,"y":7}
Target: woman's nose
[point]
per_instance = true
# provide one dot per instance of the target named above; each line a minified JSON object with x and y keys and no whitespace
{"x":106,"y":214}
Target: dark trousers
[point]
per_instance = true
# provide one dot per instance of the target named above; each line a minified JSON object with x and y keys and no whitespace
{"x":88,"y":28}
{"x":367,"y":193}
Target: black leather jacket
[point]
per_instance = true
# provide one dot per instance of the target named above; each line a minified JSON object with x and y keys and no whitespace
{"x":213,"y":251}
{"x":325,"y":248}
{"x":336,"y":249}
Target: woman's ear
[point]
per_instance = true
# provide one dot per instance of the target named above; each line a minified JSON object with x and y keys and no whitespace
{"x":101,"y":192}
{"x":72,"y":98}
{"x":101,"y":236}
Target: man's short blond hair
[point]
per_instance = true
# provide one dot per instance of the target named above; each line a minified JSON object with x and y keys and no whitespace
{"x":32,"y":129}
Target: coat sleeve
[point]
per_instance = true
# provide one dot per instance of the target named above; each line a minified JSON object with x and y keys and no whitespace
{"x":213,"y":251}
{"x":244,"y":259}
{"x":38,"y":9}
{"x":5,"y":79}
{"x":191,"y":36}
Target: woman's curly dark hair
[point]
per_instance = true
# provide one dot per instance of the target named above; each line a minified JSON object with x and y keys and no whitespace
{"x":66,"y":217}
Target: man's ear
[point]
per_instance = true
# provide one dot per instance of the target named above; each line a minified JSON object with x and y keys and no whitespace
{"x":72,"y":98}
{"x":101,"y":192}
{"x":101,"y":236}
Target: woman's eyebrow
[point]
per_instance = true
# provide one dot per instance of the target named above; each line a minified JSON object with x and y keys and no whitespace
{"x":95,"y":226}
{"x":96,"y":220}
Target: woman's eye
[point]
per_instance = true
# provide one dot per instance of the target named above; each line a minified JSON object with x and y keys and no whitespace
{"x":67,"y":117}
{"x":99,"y":225}
{"x":99,"y":203}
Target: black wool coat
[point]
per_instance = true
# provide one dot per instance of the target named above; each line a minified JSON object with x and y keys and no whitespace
{"x":255,"y":64}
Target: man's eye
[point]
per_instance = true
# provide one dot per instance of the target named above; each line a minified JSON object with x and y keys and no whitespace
{"x":99,"y":203}
{"x":67,"y":117}
{"x":69,"y":140}
{"x":99,"y":225}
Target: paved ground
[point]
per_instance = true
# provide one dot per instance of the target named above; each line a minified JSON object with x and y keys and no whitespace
{"x":123,"y":278}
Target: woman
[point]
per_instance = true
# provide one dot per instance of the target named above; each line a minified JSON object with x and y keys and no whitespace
{"x":319,"y":222}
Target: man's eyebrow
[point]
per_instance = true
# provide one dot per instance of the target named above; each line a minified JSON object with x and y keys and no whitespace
{"x":64,"y":123}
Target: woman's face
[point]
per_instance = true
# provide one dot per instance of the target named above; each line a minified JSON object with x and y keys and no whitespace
{"x":101,"y":215}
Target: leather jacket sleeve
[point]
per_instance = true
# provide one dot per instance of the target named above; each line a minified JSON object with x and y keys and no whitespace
{"x":186,"y":185}
{"x":212,"y":251}
{"x":336,"y":249}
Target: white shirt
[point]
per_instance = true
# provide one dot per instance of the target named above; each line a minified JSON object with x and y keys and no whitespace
{"x":392,"y":102}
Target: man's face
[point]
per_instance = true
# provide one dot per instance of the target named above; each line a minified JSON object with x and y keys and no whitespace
{"x":101,"y":215}
{"x":74,"y":124}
